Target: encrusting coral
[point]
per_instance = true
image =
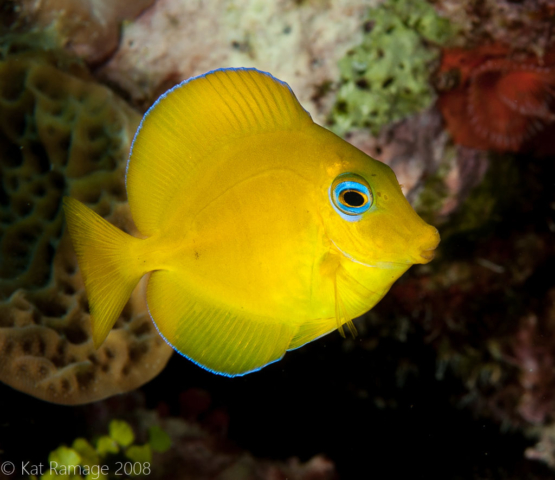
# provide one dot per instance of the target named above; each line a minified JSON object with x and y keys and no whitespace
{"x":386,"y":77}
{"x":62,"y":134}
{"x":492,"y":100}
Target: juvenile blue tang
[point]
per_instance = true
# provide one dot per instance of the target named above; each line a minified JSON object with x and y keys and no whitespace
{"x":262,"y":230}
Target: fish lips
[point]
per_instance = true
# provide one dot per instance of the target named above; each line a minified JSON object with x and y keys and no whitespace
{"x":427,"y":251}
{"x":427,"y":256}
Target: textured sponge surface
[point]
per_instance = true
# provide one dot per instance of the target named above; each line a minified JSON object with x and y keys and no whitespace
{"x":63,"y":134}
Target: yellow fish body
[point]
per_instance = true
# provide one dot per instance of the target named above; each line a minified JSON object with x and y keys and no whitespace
{"x":264,"y":231}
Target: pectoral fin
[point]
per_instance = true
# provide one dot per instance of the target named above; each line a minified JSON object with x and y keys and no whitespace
{"x":312,"y":330}
{"x":351,"y":300}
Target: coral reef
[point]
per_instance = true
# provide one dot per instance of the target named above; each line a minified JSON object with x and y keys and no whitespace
{"x":303,"y":45}
{"x":435,"y":176}
{"x":386,"y":77}
{"x":525,"y":25}
{"x":298,"y":42}
{"x":62,"y":134}
{"x":492,"y":100}
{"x":87,"y":28}
{"x":198,"y":446}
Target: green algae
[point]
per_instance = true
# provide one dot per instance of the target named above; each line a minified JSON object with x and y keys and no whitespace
{"x":84,"y":461}
{"x":386,"y":77}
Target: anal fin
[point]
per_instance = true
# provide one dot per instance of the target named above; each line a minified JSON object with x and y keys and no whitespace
{"x":221,"y":338}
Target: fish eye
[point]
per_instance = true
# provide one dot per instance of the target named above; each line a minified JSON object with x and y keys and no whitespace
{"x":350,"y":196}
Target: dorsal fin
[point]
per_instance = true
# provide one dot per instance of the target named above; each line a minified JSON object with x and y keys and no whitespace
{"x":193,"y":119}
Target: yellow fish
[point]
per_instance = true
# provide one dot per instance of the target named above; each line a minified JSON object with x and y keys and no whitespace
{"x":263,"y":231}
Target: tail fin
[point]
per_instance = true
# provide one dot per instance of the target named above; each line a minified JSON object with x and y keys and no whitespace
{"x":109,"y":268}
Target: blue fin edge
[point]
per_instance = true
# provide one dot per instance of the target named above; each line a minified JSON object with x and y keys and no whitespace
{"x":185,"y":82}
{"x":204,"y":367}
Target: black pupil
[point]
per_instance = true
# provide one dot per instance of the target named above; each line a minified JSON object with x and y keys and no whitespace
{"x":353,"y":198}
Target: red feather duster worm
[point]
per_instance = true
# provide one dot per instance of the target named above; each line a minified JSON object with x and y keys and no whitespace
{"x":491,"y":101}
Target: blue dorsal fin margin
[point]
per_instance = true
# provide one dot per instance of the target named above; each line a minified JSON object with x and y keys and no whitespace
{"x":185,"y":82}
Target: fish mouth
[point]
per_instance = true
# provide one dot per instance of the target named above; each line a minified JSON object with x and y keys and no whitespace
{"x":428,"y":255}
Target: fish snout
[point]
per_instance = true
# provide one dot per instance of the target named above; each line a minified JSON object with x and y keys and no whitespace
{"x":428,"y":246}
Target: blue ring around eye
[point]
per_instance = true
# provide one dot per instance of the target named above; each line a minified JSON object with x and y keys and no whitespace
{"x":353,"y":187}
{"x":349,"y":212}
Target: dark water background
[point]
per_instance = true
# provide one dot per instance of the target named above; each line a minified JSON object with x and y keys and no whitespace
{"x":310,"y":403}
